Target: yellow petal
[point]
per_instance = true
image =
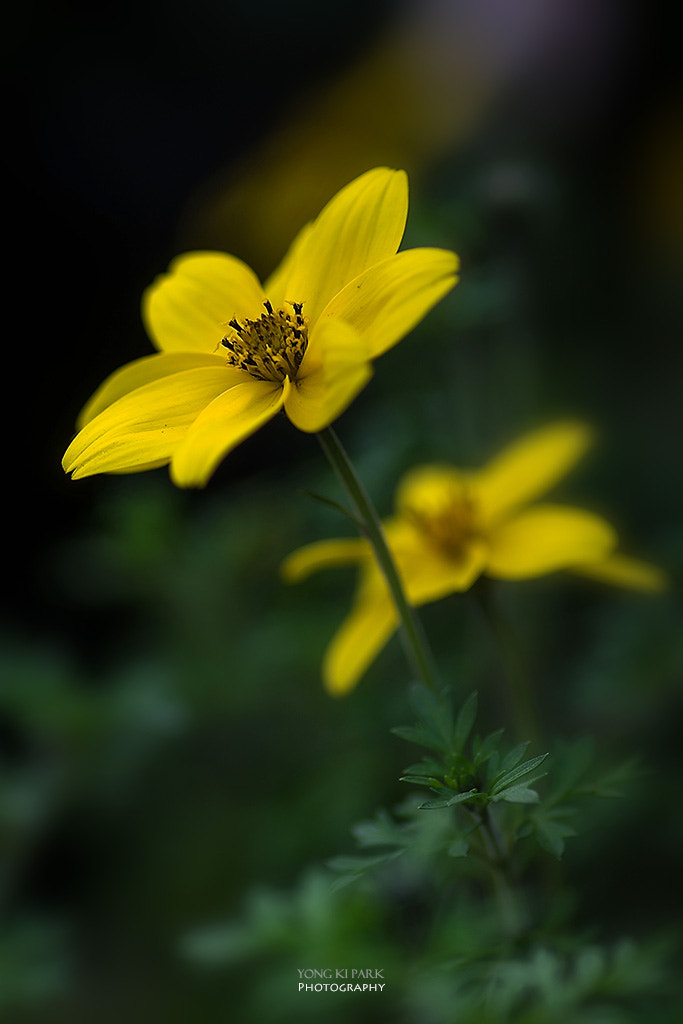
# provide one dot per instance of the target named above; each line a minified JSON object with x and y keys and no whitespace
{"x":334,"y":369}
{"x":529,"y":467}
{"x":188,"y":308}
{"x":545,"y":538}
{"x":390,"y":298}
{"x":357,"y":643}
{"x":431,"y":490}
{"x":323,"y":554}
{"x":142,"y":371}
{"x":427,"y":573}
{"x":275,"y":286}
{"x":434,"y":577}
{"x":145,"y":426}
{"x":223,"y":424}
{"x":360,"y":226}
{"x":627,"y":572}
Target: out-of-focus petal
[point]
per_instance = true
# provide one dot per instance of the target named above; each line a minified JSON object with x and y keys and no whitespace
{"x":334,"y":369}
{"x":430,"y":489}
{"x":361,"y":225}
{"x":529,"y":467}
{"x":223,"y":424}
{"x":426,"y":572}
{"x":142,"y":371}
{"x":145,"y":426}
{"x":627,"y":572}
{"x":188,"y":308}
{"x":357,"y":643}
{"x":548,"y":537}
{"x":390,"y":298}
{"x":324,"y":554}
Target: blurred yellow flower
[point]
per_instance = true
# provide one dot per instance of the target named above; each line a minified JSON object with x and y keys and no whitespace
{"x":233,"y":353}
{"x":452,"y":526}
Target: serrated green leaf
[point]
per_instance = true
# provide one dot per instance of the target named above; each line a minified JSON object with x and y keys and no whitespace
{"x":509,"y":777}
{"x":534,"y":777}
{"x":464,"y":722}
{"x":457,"y":798}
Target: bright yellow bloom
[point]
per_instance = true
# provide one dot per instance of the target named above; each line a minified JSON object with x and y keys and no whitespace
{"x":234,"y":352}
{"x":452,"y":526}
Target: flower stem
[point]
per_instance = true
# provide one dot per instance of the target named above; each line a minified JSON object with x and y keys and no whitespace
{"x":415,"y":644}
{"x":518,"y":678}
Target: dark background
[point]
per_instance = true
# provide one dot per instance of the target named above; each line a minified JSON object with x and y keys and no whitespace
{"x":165,"y":743}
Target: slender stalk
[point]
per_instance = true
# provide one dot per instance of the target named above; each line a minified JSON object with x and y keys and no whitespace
{"x":516,"y":670}
{"x":415,"y":644}
{"x":495,"y":857}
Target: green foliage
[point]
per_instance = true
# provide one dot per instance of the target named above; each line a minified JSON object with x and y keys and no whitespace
{"x":465,"y":972}
{"x":469,"y":775}
{"x":484,"y":958}
{"x":489,"y":789}
{"x":33,"y":963}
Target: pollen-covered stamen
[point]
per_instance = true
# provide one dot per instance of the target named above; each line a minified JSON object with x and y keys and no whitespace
{"x":272,"y":347}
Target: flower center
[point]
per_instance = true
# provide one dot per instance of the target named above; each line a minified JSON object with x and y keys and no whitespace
{"x":448,"y":525}
{"x":270,"y":348}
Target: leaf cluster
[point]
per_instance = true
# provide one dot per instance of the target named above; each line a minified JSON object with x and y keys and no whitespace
{"x":475,"y":773}
{"x":491,"y":790}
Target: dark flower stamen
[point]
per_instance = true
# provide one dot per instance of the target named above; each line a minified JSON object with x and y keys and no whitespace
{"x":270,"y":348}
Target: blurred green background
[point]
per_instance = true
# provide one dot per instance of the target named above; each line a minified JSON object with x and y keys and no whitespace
{"x":166,"y":750}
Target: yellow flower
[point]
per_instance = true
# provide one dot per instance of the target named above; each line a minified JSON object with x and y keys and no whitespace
{"x":452,"y":526}
{"x":234,"y":352}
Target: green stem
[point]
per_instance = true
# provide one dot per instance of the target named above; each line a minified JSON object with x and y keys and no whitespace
{"x":495,"y":857}
{"x":524,"y":703}
{"x":415,"y":643}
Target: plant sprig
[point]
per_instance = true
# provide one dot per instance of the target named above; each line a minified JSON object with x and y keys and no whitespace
{"x":475,"y":774}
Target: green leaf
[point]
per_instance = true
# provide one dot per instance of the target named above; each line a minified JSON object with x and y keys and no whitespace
{"x":353,"y":868}
{"x":609,"y":784}
{"x":459,"y":848}
{"x":550,"y":833}
{"x":423,"y":780}
{"x":517,"y":795}
{"x":483,"y":750}
{"x":434,"y":713}
{"x":464,"y":722}
{"x":508,"y":777}
{"x":514,"y":757}
{"x":381,"y":831}
{"x":493,"y":768}
{"x":426,"y":767}
{"x":331,"y":504}
{"x":458,"y":798}
{"x":421,"y":736}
